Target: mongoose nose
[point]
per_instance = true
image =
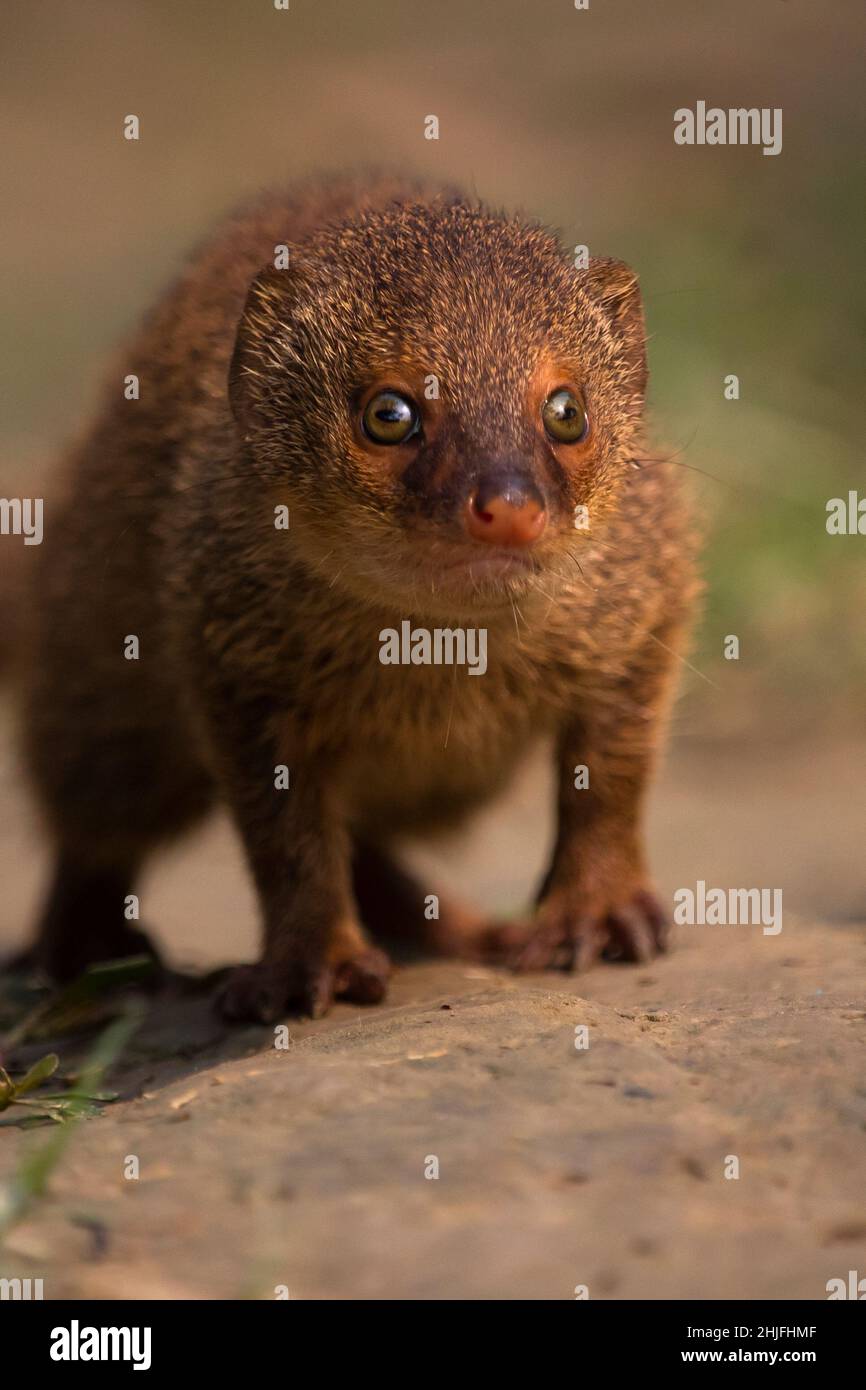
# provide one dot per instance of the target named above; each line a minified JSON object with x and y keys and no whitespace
{"x":506,"y":510}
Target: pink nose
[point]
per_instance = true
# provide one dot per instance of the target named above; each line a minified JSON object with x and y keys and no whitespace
{"x":506,"y":514}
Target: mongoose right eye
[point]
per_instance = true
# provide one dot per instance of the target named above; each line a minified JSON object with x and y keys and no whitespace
{"x":390,"y":418}
{"x":565,"y":417}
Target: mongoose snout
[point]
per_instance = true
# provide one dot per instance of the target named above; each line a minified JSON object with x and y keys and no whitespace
{"x":507,"y":509}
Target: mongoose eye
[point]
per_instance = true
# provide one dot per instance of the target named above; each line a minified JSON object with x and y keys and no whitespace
{"x":390,"y":418}
{"x":565,"y":417}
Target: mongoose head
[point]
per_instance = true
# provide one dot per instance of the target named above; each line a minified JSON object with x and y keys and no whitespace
{"x":447,"y":405}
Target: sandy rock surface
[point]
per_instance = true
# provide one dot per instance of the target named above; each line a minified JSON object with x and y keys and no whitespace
{"x":558,"y":1166}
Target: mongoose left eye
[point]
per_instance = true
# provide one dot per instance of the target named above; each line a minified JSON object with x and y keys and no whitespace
{"x":565,"y":417}
{"x":390,"y":418}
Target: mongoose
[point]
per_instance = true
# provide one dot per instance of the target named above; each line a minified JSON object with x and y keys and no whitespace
{"x":365,"y":404}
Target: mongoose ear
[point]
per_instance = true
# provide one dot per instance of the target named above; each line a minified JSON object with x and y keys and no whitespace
{"x":614,"y":286}
{"x":265,"y":304}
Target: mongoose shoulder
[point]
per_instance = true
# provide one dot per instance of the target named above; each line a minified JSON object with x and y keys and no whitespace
{"x":379,"y":519}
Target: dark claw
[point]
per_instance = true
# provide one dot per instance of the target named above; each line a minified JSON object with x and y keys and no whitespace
{"x":364,"y":979}
{"x":248,"y":997}
{"x":632,"y":935}
{"x":634,"y":931}
{"x":259,"y":994}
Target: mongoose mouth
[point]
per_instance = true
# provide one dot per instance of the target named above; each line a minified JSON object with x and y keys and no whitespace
{"x":491,"y":564}
{"x":487,"y":574}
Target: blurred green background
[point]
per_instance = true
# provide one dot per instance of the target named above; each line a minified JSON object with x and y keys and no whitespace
{"x":750,"y":264}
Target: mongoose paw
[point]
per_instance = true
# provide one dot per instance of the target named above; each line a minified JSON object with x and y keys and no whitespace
{"x":562,"y":937}
{"x":261,"y":994}
{"x":363,"y":978}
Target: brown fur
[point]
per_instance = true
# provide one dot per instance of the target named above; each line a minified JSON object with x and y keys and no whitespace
{"x":261,"y":647}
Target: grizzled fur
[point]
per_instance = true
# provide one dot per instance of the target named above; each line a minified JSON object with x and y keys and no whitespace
{"x":260,"y":646}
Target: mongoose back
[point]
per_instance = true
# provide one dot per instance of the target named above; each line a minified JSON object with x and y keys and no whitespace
{"x":376,"y":523}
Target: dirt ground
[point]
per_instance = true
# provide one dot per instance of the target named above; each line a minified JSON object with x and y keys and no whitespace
{"x":558,"y":1166}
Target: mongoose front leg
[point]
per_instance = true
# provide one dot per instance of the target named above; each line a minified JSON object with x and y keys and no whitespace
{"x":314,"y":949}
{"x":83,"y":922}
{"x":596,"y":898}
